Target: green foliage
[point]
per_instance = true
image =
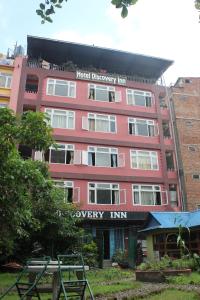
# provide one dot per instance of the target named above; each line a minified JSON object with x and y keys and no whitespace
{"x":31,"y":208}
{"x":90,"y":253}
{"x":168,"y":263}
{"x":123,"y":4}
{"x":35,"y":131}
{"x":173,"y":294}
{"x":193,"y":278}
{"x":47,"y":8}
{"x":121,"y":257}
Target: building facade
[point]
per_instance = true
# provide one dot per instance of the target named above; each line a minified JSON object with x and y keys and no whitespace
{"x":115,"y":155}
{"x":185,"y":103}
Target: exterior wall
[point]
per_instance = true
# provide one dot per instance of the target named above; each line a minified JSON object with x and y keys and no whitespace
{"x":119,"y":219}
{"x":121,"y":139}
{"x":185,"y":98}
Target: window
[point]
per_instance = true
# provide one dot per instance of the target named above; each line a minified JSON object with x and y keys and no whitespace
{"x":104,"y":193}
{"x":62,"y":88}
{"x":192,"y":148}
{"x":166,"y":129}
{"x":3,"y":104}
{"x":99,"y":123}
{"x":67,"y":187}
{"x":103,"y":93}
{"x":196,"y":176}
{"x":140,"y":98}
{"x":144,"y":160}
{"x":173,"y":195}
{"x":61,"y":118}
{"x":61,"y":154}
{"x":147,"y":194}
{"x":169,"y":160}
{"x":5,"y":80}
{"x":189,"y":123}
{"x":142,"y":127}
{"x":102,"y":157}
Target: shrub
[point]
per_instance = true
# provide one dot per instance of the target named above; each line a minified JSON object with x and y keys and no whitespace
{"x":168,"y":263}
{"x":90,"y":254}
{"x":121,"y":257}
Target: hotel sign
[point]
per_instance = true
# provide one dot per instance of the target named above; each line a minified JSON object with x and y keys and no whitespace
{"x":110,"y":215}
{"x":99,"y":77}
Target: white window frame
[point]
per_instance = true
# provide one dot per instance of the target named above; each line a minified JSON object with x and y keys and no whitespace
{"x":137,"y":153}
{"x":136,"y":121}
{"x":153,"y":189}
{"x":8,"y":80}
{"x":66,"y":184}
{"x":55,"y":81}
{"x":132,"y":93}
{"x":95,"y":189}
{"x":110,"y":118}
{"x":62,"y":112}
{"x":67,"y":147}
{"x":110,"y":151}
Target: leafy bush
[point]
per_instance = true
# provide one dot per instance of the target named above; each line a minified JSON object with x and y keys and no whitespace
{"x":168,"y":263}
{"x":90,"y":254}
{"x":121,"y":257}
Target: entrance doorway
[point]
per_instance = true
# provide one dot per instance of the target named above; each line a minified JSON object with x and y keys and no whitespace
{"x":106,"y":244}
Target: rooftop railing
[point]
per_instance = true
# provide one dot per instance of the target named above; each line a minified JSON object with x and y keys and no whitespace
{"x":72,"y":68}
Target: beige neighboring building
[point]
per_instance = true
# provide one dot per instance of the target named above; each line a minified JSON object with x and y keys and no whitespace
{"x":185,"y":104}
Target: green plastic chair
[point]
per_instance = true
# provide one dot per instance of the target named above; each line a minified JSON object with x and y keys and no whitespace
{"x":73,"y":281}
{"x":26,"y":287}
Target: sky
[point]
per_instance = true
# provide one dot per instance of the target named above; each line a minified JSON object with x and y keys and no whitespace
{"x":168,"y":29}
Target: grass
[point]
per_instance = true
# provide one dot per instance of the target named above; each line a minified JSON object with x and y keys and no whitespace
{"x":102,"y":282}
{"x":193,"y":278}
{"x":174,"y":294}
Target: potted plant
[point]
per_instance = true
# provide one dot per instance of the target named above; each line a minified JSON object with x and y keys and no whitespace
{"x":121,"y":257}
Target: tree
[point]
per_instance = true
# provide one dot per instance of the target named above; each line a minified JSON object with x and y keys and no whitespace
{"x":31,"y":208}
{"x":48,"y":7}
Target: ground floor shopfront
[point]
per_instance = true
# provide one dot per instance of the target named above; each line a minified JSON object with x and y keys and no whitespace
{"x":114,"y":231}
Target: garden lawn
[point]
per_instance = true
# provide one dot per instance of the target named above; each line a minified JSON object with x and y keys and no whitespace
{"x":173,"y":294}
{"x":193,"y":278}
{"x":102,"y":282}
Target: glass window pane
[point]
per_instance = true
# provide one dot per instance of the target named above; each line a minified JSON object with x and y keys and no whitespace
{"x":103,"y":196}
{"x":50,"y":89}
{"x":61,"y":90}
{"x":72,"y":91}
{"x":101,"y":94}
{"x":140,"y":100}
{"x":112,"y":126}
{"x":59,"y":121}
{"x":102,"y":125}
{"x":136,"y":197}
{"x":70,"y":122}
{"x":92,"y":196}
{"x":147,"y":198}
{"x":142,"y":129}
{"x":57,"y":156}
{"x":103,"y":159}
{"x":2,"y":81}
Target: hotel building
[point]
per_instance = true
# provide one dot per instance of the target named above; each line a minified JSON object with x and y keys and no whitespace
{"x":115,"y":155}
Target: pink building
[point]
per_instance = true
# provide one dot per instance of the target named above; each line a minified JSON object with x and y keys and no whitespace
{"x":116,"y":156}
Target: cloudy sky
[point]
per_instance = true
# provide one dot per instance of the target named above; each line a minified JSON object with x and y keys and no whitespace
{"x":163,"y":28}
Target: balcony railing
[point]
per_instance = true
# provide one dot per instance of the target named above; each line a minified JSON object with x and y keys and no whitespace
{"x":66,"y":68}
